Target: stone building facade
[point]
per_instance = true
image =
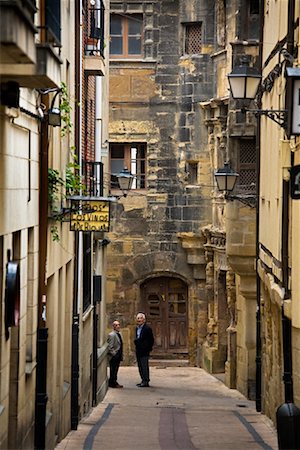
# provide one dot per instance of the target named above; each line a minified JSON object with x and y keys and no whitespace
{"x":231,"y":237}
{"x":156,"y":259}
{"x":178,"y":232}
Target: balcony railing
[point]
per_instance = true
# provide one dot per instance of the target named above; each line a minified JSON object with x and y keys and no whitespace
{"x":93,"y":178}
{"x":94,"y":39}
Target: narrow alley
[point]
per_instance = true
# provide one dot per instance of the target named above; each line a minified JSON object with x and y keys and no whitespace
{"x":184,"y":408}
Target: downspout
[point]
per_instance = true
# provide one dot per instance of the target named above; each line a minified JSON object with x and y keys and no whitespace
{"x":258,"y":285}
{"x":42,"y":330}
{"x":75,"y":314}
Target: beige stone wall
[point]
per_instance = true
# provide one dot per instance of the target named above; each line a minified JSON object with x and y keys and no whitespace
{"x":19,"y":234}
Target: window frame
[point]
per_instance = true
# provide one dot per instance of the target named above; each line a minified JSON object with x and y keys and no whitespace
{"x":128,"y":162}
{"x":188,"y":26}
{"x":125,"y":37}
{"x":245,"y":165}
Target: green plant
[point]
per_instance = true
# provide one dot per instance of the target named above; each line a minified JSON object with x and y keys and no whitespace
{"x":60,"y":189}
{"x":65,"y":110}
{"x":73,"y":181}
{"x":54,"y":184}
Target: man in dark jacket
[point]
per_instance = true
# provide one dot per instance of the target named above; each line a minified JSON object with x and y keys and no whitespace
{"x":144,"y":341}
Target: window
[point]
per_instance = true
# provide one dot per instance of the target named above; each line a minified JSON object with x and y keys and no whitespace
{"x":247,"y":165}
{"x":52,"y":19}
{"x":192,"y":172}
{"x":132,"y":156}
{"x":249,"y":25}
{"x":193,"y":38}
{"x":126,"y":36}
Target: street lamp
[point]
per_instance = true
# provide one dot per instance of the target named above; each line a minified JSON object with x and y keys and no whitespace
{"x":226,"y":179}
{"x":125,"y":179}
{"x":244,"y":82}
{"x":54,"y":116}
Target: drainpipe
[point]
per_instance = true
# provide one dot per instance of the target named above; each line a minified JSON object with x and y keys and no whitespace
{"x":42,"y":330}
{"x":76,"y":292}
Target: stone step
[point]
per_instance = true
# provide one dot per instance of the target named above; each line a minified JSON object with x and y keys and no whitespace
{"x":163,"y":363}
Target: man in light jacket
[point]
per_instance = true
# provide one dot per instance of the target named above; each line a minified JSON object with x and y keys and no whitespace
{"x":115,"y":353}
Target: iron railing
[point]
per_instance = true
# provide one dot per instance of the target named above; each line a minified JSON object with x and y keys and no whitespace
{"x":94,"y":39}
{"x":93,"y":178}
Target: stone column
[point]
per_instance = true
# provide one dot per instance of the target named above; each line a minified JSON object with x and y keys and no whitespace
{"x":230,"y":365}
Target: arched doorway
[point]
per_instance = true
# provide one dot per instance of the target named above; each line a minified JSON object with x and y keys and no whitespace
{"x":164,"y":300}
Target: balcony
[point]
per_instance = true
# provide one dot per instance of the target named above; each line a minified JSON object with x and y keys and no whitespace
{"x":93,"y":178}
{"x":17,"y":32}
{"x":38,"y":65}
{"x":94,"y":40}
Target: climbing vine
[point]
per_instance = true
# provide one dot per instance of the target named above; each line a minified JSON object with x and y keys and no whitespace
{"x":60,"y":187}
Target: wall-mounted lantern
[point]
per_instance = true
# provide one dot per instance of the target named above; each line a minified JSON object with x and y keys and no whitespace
{"x":226,"y":178}
{"x":54,"y":116}
{"x":125,"y":179}
{"x":244,"y":82}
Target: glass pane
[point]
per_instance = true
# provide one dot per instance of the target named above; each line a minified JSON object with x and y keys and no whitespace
{"x":117,"y":151}
{"x":134,"y":46}
{"x":116,"y":46}
{"x":142,"y":183}
{"x":134,"y":25}
{"x":115,"y":25}
{"x":141,"y":151}
{"x":117,"y":165}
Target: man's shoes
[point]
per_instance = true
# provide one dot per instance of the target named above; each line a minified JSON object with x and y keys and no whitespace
{"x":117,"y":385}
{"x":143,"y":384}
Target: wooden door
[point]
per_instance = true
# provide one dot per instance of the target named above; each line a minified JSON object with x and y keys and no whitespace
{"x":165,"y":304}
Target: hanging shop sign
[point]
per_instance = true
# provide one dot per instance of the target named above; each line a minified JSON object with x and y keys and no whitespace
{"x":89,"y":215}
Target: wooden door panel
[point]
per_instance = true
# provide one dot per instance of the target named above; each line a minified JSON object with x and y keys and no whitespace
{"x":165,"y":304}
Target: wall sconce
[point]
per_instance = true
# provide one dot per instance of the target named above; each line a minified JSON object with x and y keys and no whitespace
{"x":244,"y":82}
{"x":226,"y":179}
{"x":125,"y":179}
{"x":54,"y":116}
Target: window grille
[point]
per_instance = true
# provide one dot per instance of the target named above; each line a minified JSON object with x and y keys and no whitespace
{"x":247,"y":165}
{"x":193,"y":38}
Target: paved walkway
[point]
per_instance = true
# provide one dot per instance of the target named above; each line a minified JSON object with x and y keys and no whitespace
{"x":184,"y":409}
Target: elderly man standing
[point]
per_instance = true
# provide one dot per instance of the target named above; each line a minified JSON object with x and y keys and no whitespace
{"x":144,"y":341}
{"x":115,"y":353}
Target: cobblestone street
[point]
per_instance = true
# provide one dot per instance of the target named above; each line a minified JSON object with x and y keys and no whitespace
{"x":185,"y":408}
